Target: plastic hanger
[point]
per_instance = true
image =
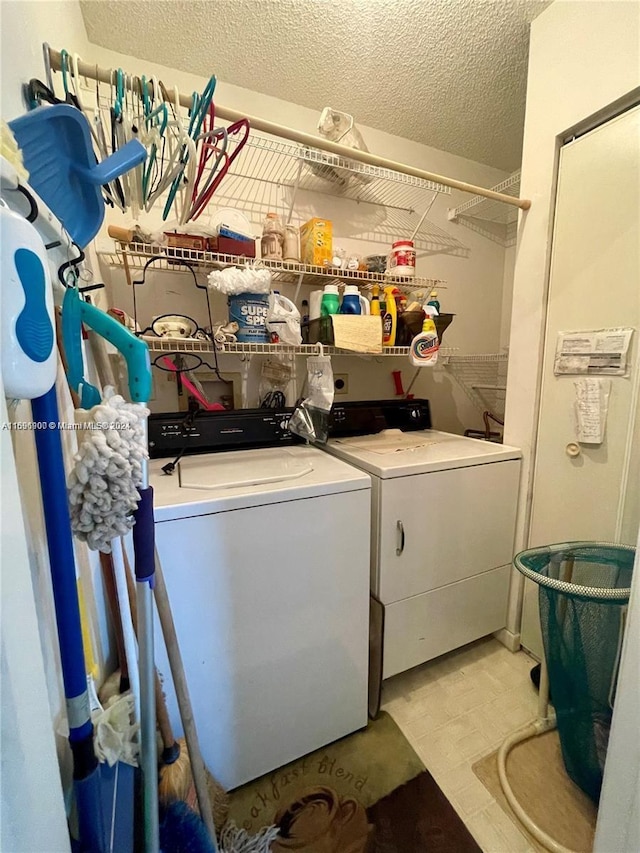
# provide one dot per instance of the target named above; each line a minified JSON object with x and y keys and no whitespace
{"x":232,"y":130}
{"x":209,"y":146}
{"x":199,"y":109}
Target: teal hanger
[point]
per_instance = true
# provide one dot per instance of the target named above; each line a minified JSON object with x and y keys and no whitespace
{"x":158,"y":119}
{"x":72,"y":338}
{"x":117,"y":107}
{"x":199,"y":109}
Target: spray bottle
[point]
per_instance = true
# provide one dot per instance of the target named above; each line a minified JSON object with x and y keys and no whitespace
{"x":423,"y":351}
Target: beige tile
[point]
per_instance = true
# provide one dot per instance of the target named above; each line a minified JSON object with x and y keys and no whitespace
{"x":456,"y":709}
{"x":471,"y":799}
{"x":495,"y":832}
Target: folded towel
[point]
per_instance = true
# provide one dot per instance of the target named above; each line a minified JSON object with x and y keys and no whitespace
{"x":358,"y":333}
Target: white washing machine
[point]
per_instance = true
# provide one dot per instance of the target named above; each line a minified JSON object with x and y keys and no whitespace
{"x":443,"y":525}
{"x":266,"y":558}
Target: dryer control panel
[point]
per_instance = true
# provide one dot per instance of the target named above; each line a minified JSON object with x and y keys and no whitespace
{"x":208,"y":432}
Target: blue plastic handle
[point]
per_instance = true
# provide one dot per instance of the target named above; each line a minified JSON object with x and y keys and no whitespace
{"x":124,"y":159}
{"x":134,"y":350}
{"x":72,"y":338}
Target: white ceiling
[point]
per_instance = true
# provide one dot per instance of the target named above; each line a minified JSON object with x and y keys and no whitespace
{"x":447,"y":73}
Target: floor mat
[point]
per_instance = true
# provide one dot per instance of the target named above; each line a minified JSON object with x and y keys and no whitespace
{"x":366,"y":793}
{"x":540,"y":782}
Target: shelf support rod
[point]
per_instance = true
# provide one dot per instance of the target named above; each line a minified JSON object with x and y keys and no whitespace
{"x":103,"y":75}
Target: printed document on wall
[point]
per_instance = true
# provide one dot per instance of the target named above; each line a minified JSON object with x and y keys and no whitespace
{"x":591,"y":407}
{"x":595,"y":352}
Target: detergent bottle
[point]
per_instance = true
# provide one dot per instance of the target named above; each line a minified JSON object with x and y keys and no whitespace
{"x":434,"y":301}
{"x":375,"y":300}
{"x":330,"y":300}
{"x":423,"y":351}
{"x":390,"y":316}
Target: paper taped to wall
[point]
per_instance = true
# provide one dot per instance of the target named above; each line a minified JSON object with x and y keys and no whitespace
{"x":599,"y":351}
{"x":591,"y":407}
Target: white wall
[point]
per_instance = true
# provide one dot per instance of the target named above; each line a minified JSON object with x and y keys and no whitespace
{"x":618,"y":826}
{"x":33,"y":816}
{"x":24,"y":26}
{"x":583,"y":57}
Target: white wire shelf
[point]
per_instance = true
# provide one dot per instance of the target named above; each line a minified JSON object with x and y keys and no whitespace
{"x":494,"y":220}
{"x":135,"y":255}
{"x":189,"y":345}
{"x":489,"y":210}
{"x":273,"y":174}
{"x":483,"y":378}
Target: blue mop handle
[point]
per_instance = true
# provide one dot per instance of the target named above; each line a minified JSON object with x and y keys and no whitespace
{"x":63,"y":575}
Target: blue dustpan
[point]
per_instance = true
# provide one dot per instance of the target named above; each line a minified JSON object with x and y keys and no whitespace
{"x":57,"y":151}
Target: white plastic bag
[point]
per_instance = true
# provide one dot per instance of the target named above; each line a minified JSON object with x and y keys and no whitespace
{"x":283,"y":320}
{"x":310,"y":418}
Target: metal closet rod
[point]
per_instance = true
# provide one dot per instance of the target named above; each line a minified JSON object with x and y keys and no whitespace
{"x":105,"y":75}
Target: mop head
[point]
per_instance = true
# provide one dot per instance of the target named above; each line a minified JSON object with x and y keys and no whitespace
{"x":236,"y":840}
{"x":182,"y":831}
{"x":103,"y":484}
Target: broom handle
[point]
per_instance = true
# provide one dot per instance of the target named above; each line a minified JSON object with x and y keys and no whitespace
{"x":109,"y":579}
{"x":184,"y":701}
{"x":162,"y":715}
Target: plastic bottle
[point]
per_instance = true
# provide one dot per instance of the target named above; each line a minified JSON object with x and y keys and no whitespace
{"x":291,"y":243}
{"x":423,"y":350}
{"x":390,"y":317}
{"x":433,"y":300}
{"x":352,"y":301}
{"x":330,"y":300}
{"x":375,"y":300}
{"x":272,"y":243}
{"x":305,"y":311}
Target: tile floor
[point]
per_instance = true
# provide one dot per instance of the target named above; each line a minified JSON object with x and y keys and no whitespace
{"x":456,"y":709}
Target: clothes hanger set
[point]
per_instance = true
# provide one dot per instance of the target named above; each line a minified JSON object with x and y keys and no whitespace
{"x":187,"y":156}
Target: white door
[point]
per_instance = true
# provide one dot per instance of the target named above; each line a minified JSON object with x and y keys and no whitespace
{"x":594,"y":283}
{"x":271,"y":606}
{"x":438,"y":528}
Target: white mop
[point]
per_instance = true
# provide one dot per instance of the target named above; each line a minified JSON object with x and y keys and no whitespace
{"x":103,"y":484}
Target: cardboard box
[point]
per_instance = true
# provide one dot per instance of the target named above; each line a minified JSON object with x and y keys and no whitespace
{"x":316,"y":242}
{"x":228,"y":246}
{"x":192,"y":242}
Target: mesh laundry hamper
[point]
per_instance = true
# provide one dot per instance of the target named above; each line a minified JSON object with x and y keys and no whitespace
{"x":583,"y":592}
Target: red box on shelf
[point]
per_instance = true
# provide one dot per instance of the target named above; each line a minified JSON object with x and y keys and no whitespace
{"x":228,"y":246}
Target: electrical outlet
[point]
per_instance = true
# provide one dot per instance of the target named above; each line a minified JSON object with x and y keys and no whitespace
{"x":341,"y":383}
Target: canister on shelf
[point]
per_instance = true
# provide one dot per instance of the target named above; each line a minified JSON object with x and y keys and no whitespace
{"x":401,"y":262}
{"x":291,"y":243}
{"x":272,"y":243}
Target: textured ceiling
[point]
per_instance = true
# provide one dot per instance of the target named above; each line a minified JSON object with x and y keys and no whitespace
{"x":447,"y":73}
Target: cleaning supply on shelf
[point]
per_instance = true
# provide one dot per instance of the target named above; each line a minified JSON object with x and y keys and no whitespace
{"x":374,"y":308}
{"x":390,"y":316}
{"x":283,"y":320}
{"x":305,"y":311}
{"x":291,"y":243}
{"x":353,"y":302}
{"x":316,"y":242}
{"x":401,"y":262}
{"x":423,"y":351}
{"x":272,"y":242}
{"x":249,"y":311}
{"x":330,"y":300}
{"x":434,"y":301}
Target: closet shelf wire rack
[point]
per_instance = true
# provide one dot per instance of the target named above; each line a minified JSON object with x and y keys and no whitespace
{"x":134,"y":256}
{"x":483,"y":378}
{"x":201,"y":347}
{"x":493,"y":220}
